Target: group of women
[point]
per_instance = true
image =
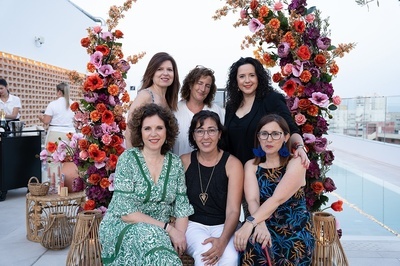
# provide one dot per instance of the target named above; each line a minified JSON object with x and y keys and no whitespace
{"x":180,"y":183}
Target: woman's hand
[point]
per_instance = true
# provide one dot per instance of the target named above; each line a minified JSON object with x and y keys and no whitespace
{"x":178,"y":239}
{"x":261,"y":235}
{"x":242,"y":236}
{"x":212,"y":256}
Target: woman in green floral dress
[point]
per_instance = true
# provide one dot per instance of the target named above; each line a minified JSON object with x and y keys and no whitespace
{"x":149,"y":188}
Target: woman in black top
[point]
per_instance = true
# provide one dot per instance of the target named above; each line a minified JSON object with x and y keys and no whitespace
{"x":214,"y":181}
{"x":250,"y":96}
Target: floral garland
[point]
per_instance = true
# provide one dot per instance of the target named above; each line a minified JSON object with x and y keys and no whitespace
{"x":99,"y":115}
{"x":299,"y":45}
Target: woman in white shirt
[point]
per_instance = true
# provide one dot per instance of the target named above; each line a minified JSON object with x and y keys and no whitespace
{"x":58,"y":115}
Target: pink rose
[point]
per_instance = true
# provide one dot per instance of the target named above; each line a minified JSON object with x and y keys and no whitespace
{"x":300,"y":119}
{"x":97,"y":29}
{"x":336,"y":100}
{"x":84,"y":155}
{"x":243,"y":13}
{"x":278,"y":6}
{"x":106,"y":139}
{"x":287,"y":69}
{"x":310,"y":18}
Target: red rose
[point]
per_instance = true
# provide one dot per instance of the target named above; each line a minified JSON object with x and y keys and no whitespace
{"x":320,"y":60}
{"x":337,"y":206}
{"x":89,"y":205}
{"x":85,"y":42}
{"x":304,"y":53}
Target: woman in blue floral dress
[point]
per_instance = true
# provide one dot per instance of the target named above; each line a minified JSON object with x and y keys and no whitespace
{"x":273,"y":186}
{"x":149,"y":189}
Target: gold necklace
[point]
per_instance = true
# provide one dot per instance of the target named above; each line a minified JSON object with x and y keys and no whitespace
{"x":204,"y":195}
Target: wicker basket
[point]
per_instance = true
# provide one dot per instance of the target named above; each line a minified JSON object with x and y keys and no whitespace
{"x":58,"y":232}
{"x":38,"y":189}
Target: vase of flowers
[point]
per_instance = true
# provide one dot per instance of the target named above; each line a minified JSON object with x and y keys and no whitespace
{"x":293,"y":40}
{"x":100,"y":113}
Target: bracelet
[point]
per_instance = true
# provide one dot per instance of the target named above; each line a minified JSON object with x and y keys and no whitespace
{"x":165,"y":226}
{"x":305,"y":149}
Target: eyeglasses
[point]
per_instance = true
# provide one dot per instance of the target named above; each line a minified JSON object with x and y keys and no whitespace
{"x":275,"y":135}
{"x":211,"y":132}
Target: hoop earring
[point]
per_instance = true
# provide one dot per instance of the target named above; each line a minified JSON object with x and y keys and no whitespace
{"x":283,"y":151}
{"x":259,"y":152}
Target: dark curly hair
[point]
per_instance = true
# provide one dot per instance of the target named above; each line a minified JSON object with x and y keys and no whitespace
{"x":194,"y":75}
{"x":199,"y":118}
{"x":234,"y":95}
{"x":136,"y":122}
{"x":282,"y":124}
{"x":172,"y":91}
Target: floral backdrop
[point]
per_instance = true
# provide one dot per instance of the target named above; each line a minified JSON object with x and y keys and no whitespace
{"x":99,"y":115}
{"x":294,"y":39}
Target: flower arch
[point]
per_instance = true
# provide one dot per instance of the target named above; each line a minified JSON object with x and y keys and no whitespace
{"x":296,"y":45}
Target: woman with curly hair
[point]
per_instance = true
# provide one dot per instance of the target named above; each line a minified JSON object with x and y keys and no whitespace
{"x":149,"y":189}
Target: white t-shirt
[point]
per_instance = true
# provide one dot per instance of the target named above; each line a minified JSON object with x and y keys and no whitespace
{"x":184,"y":117}
{"x":60,"y":115}
{"x":8,"y":106}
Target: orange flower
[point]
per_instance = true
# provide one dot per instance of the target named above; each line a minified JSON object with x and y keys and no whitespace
{"x":97,"y":155}
{"x":305,"y":76}
{"x":116,"y":141}
{"x":333,"y":69}
{"x":118,"y":34}
{"x":51,"y":146}
{"x":313,"y":110}
{"x":94,"y":179}
{"x":317,"y":187}
{"x":112,"y":161}
{"x":90,"y":67}
{"x":125,"y":97}
{"x":264,"y":11}
{"x":83,"y":144}
{"x":320,"y":60}
{"x":276,"y":77}
{"x":304,"y":53}
{"x":89,"y":205}
{"x":307,"y":128}
{"x":300,"y":89}
{"x":274,"y":23}
{"x":304,"y":104}
{"x":103,"y":49}
{"x":95,"y":116}
{"x":113,"y":90}
{"x":85,"y":42}
{"x":101,"y":107}
{"x":86,"y":130}
{"x":269,"y":62}
{"x":104,"y":183}
{"x":254,"y":4}
{"x":299,"y":26}
{"x":74,"y":106}
{"x":290,"y":87}
{"x":93,"y":82}
{"x":288,"y":37}
{"x":337,"y":206}
{"x":107,"y":117}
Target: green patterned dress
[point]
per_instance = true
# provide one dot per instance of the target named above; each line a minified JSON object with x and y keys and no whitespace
{"x":142,"y":243}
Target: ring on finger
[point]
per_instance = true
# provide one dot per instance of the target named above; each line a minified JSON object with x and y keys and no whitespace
{"x":216,"y":257}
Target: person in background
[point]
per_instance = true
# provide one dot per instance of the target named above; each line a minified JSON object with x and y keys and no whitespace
{"x":58,"y":115}
{"x":160,"y":85}
{"x":9,"y":103}
{"x":250,"y":96}
{"x":149,"y":188}
{"x":274,"y":188}
{"x":197,"y":93}
{"x":214,"y":180}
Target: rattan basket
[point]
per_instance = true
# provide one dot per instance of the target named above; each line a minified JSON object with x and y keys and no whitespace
{"x":38,"y":189}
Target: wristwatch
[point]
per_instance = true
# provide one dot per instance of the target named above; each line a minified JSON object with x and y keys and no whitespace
{"x":304,"y":148}
{"x":251,"y":220}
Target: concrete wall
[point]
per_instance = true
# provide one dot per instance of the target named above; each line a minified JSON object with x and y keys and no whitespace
{"x":374,"y":150}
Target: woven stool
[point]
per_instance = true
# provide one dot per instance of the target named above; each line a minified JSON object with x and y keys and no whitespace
{"x":58,"y":233}
{"x":85,"y":248}
{"x":187,"y":260}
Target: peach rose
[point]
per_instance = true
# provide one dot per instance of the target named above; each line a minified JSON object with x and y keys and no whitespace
{"x":300,"y":119}
{"x":336,"y":100}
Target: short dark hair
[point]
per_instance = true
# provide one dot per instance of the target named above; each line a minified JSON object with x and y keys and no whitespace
{"x":3,"y":82}
{"x":136,"y":122}
{"x":199,"y":118}
{"x":194,"y":75}
{"x":282,"y":124}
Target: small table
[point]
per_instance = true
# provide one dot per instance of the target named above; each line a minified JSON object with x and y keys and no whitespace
{"x":39,"y":208}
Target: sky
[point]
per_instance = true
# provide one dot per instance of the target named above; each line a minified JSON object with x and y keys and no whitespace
{"x":185,"y":29}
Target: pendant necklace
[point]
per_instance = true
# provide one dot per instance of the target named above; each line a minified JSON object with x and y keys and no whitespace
{"x":204,"y":195}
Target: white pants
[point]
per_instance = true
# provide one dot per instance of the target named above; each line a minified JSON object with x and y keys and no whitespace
{"x":196,"y":234}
